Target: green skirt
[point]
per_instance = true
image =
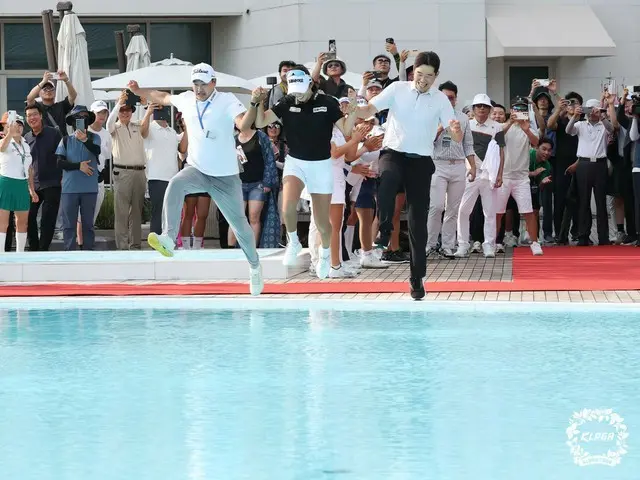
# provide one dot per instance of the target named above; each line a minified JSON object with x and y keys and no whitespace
{"x":14,"y":194}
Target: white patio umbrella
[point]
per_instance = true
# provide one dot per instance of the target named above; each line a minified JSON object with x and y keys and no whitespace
{"x":138,"y":56}
{"x":170,"y":74}
{"x":73,"y":59}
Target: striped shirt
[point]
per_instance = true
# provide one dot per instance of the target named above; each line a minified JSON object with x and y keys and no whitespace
{"x":446,"y":149}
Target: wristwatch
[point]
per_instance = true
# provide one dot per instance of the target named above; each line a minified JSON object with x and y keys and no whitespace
{"x":255,"y":104}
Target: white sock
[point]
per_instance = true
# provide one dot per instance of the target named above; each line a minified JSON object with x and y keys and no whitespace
{"x":3,"y":239}
{"x":197,"y":243}
{"x":293,"y":237}
{"x":186,"y":243}
{"x":21,"y":241}
{"x":510,"y":233}
{"x":348,"y":238}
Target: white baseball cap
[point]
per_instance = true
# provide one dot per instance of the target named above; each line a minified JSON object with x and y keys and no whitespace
{"x":592,"y":103}
{"x":374,"y":83}
{"x":203,"y":72}
{"x":344,"y":100}
{"x":298,"y":81}
{"x":482,"y":99}
{"x":99,"y":106}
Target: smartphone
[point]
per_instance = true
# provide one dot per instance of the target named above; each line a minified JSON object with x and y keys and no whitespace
{"x":132,"y":98}
{"x":11,"y":117}
{"x":81,"y":124}
{"x":375,"y":73}
{"x":55,"y":76}
{"x":610,"y":86}
{"x":272,"y":80}
{"x":390,"y":40}
{"x":544,"y":82}
{"x":332,"y":53}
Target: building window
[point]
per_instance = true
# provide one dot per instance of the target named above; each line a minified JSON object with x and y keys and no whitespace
{"x":190,"y":42}
{"x":101,"y":43}
{"x":17,"y":91}
{"x":24,"y":47}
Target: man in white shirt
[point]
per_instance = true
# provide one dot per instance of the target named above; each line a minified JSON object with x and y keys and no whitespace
{"x":210,"y":117}
{"x":519,"y":139}
{"x":416,"y":109}
{"x":162,"y":146}
{"x":591,"y":166}
{"x":484,"y":131}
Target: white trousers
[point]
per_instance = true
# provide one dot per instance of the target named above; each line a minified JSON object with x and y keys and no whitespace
{"x":447,"y":188}
{"x":482,"y":188}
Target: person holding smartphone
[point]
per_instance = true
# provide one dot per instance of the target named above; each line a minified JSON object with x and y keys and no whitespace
{"x":78,"y":156}
{"x":17,"y":189}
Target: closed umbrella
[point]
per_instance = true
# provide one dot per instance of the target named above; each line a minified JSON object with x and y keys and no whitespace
{"x":138,"y":56}
{"x":73,"y":59}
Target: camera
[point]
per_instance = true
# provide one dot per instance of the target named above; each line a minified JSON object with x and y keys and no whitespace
{"x":544,"y":82}
{"x":635,"y":103}
{"x":272,"y":81}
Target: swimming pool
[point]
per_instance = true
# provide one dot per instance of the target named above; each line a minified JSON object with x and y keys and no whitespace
{"x":161,"y":388}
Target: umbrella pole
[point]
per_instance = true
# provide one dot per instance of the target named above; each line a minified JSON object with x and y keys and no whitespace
{"x":49,"y":41}
{"x":120,"y":51}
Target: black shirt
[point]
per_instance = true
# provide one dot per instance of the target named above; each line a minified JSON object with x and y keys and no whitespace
{"x":254,"y":168}
{"x":566,"y":145}
{"x":309,"y":125}
{"x":43,"y":151}
{"x":58,"y":112}
{"x":333,"y":89}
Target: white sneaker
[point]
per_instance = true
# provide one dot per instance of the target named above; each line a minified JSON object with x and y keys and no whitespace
{"x":448,"y":252}
{"x":312,"y":270}
{"x":536,"y":249}
{"x":477,"y":247}
{"x":161,"y":244}
{"x":341,"y":272}
{"x":488,"y":251}
{"x":369,"y":260}
{"x":525,"y":239}
{"x":291,"y":254}
{"x":510,"y":240}
{"x":256,"y":283}
{"x":499,"y":248}
{"x":323,"y":266}
{"x":462,"y":251}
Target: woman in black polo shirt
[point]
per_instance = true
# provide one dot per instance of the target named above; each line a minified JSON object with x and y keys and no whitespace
{"x":309,"y":118}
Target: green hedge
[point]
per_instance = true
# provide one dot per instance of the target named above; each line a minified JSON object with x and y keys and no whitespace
{"x":105,"y":220}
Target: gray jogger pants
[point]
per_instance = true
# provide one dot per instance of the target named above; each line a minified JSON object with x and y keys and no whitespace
{"x":226,"y":192}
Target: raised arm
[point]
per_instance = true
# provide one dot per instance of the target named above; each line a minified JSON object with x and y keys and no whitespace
{"x":146,"y":121}
{"x":256,"y":113}
{"x":35,"y":91}
{"x":154,"y":96}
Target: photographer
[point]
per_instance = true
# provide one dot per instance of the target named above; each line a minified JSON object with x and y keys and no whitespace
{"x":334,"y":69}
{"x":591,"y":167}
{"x":634,"y":135}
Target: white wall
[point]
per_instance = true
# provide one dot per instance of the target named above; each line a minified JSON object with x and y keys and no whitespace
{"x":12,"y":8}
{"x":254,"y":44}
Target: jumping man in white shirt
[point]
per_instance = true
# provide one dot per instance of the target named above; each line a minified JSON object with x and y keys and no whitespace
{"x":210,"y":117}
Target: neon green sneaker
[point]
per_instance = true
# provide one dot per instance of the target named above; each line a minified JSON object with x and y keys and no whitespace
{"x":161,"y":244}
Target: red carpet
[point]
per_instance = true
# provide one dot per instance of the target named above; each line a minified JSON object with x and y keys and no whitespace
{"x":560,"y":268}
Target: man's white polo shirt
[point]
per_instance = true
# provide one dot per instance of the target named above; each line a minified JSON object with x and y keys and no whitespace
{"x":212,"y":146}
{"x":161,"y":146}
{"x":414,"y":117}
{"x":592,"y":138}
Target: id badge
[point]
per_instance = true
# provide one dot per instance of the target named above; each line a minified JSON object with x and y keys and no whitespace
{"x":210,"y":135}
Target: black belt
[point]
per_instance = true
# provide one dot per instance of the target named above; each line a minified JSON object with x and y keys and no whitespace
{"x":592,"y":159}
{"x":129,"y":167}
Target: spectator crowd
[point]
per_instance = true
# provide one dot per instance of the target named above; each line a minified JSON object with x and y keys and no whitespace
{"x":548,"y":151}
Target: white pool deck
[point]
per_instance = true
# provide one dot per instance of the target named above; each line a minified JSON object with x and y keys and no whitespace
{"x":123,"y":266}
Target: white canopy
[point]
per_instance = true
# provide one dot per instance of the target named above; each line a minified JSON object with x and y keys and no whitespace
{"x":351,"y":78}
{"x":111,"y":96}
{"x":170,"y":74}
{"x":73,"y":59}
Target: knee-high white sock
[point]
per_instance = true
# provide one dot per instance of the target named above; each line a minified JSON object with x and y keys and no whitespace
{"x":197,"y":243}
{"x":186,"y":243}
{"x":21,"y":241}
{"x":348,"y":238}
{"x":3,"y":239}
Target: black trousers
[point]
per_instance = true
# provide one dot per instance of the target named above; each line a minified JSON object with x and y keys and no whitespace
{"x":414,"y":173}
{"x":592,"y":176}
{"x":49,"y":200}
{"x":561,"y":184}
{"x":157,"y":188}
{"x":546,"y":200}
{"x":628,"y":196}
{"x":636,"y":191}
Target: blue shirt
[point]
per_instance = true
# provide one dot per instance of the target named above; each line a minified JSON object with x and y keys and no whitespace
{"x":76,"y":181}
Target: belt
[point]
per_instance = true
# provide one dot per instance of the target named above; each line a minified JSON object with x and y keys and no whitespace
{"x":592,"y":159}
{"x":129,"y":167}
{"x":450,"y":162}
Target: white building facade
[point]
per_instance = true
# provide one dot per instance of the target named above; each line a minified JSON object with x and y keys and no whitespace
{"x":493,"y":46}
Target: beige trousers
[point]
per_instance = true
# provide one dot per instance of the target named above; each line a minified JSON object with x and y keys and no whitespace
{"x":129,"y":190}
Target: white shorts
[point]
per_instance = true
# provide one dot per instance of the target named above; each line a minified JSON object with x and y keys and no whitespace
{"x":317,"y":175}
{"x":520,"y":190}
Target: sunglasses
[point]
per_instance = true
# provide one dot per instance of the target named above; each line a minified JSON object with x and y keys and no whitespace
{"x":274,"y":125}
{"x":334,"y":65}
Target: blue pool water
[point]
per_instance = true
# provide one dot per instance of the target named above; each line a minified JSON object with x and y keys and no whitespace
{"x":201,"y":389}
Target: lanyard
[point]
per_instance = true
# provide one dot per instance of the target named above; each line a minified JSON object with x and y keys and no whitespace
{"x":201,"y":115}
{"x":23,"y":153}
